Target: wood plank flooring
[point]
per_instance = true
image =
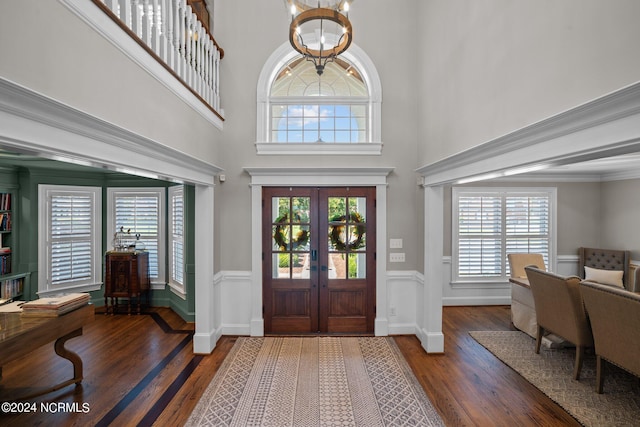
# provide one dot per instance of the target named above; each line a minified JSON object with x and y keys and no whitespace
{"x":140,"y":370}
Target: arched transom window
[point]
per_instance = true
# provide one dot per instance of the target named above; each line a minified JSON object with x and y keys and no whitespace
{"x":307,"y":108}
{"x":300,"y":112}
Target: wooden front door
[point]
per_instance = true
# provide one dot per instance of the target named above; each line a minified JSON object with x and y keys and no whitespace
{"x":319,"y":260}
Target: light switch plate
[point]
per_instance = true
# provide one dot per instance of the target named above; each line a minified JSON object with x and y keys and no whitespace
{"x":396,"y":257}
{"x":395,"y":243}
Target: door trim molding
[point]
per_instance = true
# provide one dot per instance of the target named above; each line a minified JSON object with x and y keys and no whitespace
{"x":318,"y":177}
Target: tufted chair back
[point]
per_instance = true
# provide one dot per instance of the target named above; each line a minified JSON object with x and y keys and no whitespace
{"x":607,"y":259}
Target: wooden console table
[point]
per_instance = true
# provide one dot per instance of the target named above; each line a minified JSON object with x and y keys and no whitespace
{"x":126,"y":276}
{"x":20,"y":335}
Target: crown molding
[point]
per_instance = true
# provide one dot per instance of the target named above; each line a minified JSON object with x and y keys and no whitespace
{"x":606,"y":126}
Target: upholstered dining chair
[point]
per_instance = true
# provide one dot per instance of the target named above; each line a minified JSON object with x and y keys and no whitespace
{"x":560,"y":310}
{"x":523,"y":312}
{"x":615,"y":319}
{"x":608,"y":261}
{"x":517,"y":263}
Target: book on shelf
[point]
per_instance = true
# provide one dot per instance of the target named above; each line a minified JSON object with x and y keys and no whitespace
{"x":5,"y":263}
{"x":5,"y":221}
{"x":54,"y":306}
{"x":5,"y":201}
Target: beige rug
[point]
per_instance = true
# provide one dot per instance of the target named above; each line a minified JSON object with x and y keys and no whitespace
{"x":314,"y":381}
{"x":551,"y":371}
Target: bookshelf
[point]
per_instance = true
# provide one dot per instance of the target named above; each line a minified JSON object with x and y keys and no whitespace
{"x":11,"y":283}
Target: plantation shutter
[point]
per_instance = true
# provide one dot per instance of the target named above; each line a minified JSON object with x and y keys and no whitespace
{"x":480,"y":236}
{"x":140,"y":214}
{"x":492,"y":224}
{"x":177,"y":235}
{"x":527,"y":225}
{"x":71,"y":237}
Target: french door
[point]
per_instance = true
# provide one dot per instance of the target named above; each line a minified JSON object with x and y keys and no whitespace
{"x":318,"y":259}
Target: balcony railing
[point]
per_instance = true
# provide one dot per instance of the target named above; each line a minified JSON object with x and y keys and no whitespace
{"x":172,"y":33}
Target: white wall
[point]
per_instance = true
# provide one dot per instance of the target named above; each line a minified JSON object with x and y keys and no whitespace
{"x":250,"y":31}
{"x":620,"y":225}
{"x":494,"y":66}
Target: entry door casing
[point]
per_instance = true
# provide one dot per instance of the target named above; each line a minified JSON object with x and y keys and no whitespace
{"x":319,"y":260}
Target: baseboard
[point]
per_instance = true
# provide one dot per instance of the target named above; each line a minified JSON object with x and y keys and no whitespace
{"x":476,"y":300}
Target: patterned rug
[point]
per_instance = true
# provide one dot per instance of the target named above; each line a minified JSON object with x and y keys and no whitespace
{"x":314,"y":381}
{"x":551,"y":371}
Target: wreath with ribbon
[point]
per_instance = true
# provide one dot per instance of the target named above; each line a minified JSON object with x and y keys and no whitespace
{"x":279,"y":234}
{"x":336,"y":232}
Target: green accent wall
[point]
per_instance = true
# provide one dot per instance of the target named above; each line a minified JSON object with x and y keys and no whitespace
{"x":24,"y":181}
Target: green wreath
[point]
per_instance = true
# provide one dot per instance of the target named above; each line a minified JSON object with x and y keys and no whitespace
{"x":302,"y":237}
{"x":336,"y":231}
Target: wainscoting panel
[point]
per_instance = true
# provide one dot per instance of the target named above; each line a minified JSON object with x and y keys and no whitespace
{"x":405,"y":297}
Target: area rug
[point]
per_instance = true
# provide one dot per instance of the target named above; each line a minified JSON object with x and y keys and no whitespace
{"x":551,"y":371}
{"x":314,"y":381}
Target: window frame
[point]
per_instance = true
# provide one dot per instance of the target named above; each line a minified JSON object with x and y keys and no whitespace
{"x":503,"y":192}
{"x":359,"y":59}
{"x":160,"y":192}
{"x":177,"y":287}
{"x":45,"y":240}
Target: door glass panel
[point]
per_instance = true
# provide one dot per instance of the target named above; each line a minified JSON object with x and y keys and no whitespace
{"x":280,"y":209}
{"x":337,"y":207}
{"x":300,"y":209}
{"x":358,"y":205}
{"x":281,"y":239}
{"x":357,"y":267}
{"x":357,"y":237}
{"x":300,"y":240}
{"x":300,"y":266}
{"x":337,"y":266}
{"x":281,"y":266}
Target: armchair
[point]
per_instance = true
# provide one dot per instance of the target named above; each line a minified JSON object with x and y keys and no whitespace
{"x":523,"y":312}
{"x":560,"y":310}
{"x":615,"y":319}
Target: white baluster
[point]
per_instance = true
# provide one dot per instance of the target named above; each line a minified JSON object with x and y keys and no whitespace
{"x":216,"y":91}
{"x":126,"y":12}
{"x":190,"y":46}
{"x":182,"y":45}
{"x":176,"y":36}
{"x":201,"y":40}
{"x":166,"y":34}
{"x":207,"y":71}
{"x":156,"y":22}
{"x":136,"y":18}
{"x":147,"y":22}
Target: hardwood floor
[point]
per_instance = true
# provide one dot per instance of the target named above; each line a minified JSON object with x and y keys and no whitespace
{"x":140,"y":370}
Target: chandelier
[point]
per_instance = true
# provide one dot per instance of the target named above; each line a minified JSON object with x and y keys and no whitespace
{"x":328,"y":20}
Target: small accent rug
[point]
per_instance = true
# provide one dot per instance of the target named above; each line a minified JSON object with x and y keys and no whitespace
{"x":551,"y":371}
{"x":314,"y":381}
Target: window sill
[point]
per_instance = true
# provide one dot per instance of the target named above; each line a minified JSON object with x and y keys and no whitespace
{"x":69,"y":289}
{"x":495,"y":284}
{"x":319,"y":149}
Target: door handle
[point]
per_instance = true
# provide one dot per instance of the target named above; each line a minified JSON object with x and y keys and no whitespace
{"x":314,"y":255}
{"x":323,"y":268}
